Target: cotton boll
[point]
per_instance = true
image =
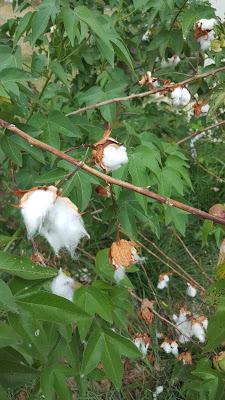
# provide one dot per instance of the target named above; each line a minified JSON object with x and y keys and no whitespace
{"x":166,"y":347}
{"x":184,"y":326}
{"x":63,"y":226}
{"x":205,"y":324}
{"x":204,"y":43}
{"x":35,"y":205}
{"x":142,"y":346}
{"x":191,"y":290}
{"x":198,"y":332}
{"x":174,"y":348}
{"x":114,"y":157}
{"x":158,"y":390}
{"x":185,"y":97}
{"x":174,"y":60}
{"x":176,"y":96}
{"x":62,"y":285}
{"x":119,"y":274}
{"x":206,"y":24}
{"x":208,"y":61}
{"x":163,"y":281}
{"x":205,"y":108}
{"x":146,"y":36}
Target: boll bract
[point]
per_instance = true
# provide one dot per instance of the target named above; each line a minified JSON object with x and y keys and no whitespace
{"x":180,"y":97}
{"x":63,"y":226}
{"x":63,"y":285}
{"x":35,"y":205}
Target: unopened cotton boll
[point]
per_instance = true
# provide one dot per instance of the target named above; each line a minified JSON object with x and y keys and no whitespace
{"x":35,"y":205}
{"x":63,"y":285}
{"x":191,"y":290}
{"x":119,"y":274}
{"x":63,"y":227}
{"x":114,"y":156}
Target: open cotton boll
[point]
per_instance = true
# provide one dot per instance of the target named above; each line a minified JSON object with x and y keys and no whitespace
{"x":208,"y":61}
{"x":198,"y":332}
{"x":191,"y":290}
{"x":166,"y":347}
{"x":174,"y":348}
{"x":63,"y":285}
{"x":205,"y":324}
{"x":35,"y":205}
{"x":63,"y":226}
{"x":185,"y":97}
{"x":206,"y":24}
{"x":204,"y":43}
{"x":205,"y":108}
{"x":114,"y":157}
{"x":184,"y":326}
{"x":119,"y":274}
{"x":163,"y":281}
{"x":180,"y":97}
{"x":174,"y":60}
{"x":141,"y":345}
{"x":158,"y":390}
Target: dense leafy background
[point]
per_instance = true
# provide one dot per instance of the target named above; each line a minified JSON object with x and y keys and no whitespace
{"x":55,"y":57}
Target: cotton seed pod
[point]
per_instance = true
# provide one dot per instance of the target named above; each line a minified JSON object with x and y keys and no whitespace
{"x":122,"y":253}
{"x":219,"y":361}
{"x":109,"y":154}
{"x":186,"y":357}
{"x":218,"y":210}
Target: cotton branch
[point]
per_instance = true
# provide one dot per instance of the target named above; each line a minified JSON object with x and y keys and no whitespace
{"x":108,"y":179}
{"x":165,"y":88}
{"x":208,"y":128}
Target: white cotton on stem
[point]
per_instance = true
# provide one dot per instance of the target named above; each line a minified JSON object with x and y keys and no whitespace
{"x":191,"y":290}
{"x":63,"y":226}
{"x":114,"y":156}
{"x":142,"y":347}
{"x":198,"y":332}
{"x":119,"y":274}
{"x":63,"y":285}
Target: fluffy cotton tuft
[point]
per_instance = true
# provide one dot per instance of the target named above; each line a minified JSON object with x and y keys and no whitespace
{"x":174,"y":60}
{"x":184,"y":326}
{"x":35,"y":205}
{"x":158,"y":390}
{"x":62,"y":285}
{"x":174,"y":348}
{"x":205,"y":108}
{"x":63,"y":227}
{"x":180,"y":97}
{"x":208,"y":61}
{"x":141,"y":345}
{"x":198,"y":332}
{"x":205,"y":41}
{"x":163,"y":281}
{"x":191,"y":290}
{"x":166,"y":347}
{"x":119,"y":274}
{"x":114,"y":157}
{"x":206,"y":24}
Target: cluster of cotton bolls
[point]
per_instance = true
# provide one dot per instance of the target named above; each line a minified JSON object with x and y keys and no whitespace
{"x":204,"y":32}
{"x":55,"y":218}
{"x":180,"y":97}
{"x":190,"y":326}
{"x":170,"y":346}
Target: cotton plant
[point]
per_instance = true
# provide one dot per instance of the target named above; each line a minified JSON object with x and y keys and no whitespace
{"x":190,"y":326}
{"x":55,"y":218}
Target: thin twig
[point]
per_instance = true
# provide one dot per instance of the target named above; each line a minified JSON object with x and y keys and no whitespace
{"x":193,"y":258}
{"x":109,"y":179}
{"x":148,"y":93}
{"x":189,"y":277}
{"x":219,"y":180}
{"x":189,"y":280}
{"x":192,"y":135}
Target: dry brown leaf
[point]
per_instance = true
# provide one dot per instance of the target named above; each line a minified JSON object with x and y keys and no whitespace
{"x":103,"y":191}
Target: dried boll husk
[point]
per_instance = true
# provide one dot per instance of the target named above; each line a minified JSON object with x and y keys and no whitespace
{"x":122,"y":253}
{"x":186,"y":357}
{"x":35,"y":204}
{"x":103,"y":191}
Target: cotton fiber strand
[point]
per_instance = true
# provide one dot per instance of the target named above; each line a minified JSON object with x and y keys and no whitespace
{"x":35,"y":208}
{"x":62,"y":285}
{"x":119,"y":274}
{"x":63,"y":226}
{"x":114,"y":157}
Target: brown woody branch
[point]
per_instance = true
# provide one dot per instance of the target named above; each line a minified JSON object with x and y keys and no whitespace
{"x":165,"y":88}
{"x":108,"y":179}
{"x":208,"y":128}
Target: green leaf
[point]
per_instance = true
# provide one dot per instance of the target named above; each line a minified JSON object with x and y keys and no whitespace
{"x":93,"y":301}
{"x":15,"y":75}
{"x":70,"y":21}
{"x":48,"y":307}
{"x":24,"y":268}
{"x":12,"y":150}
{"x":36,"y":153}
{"x":216,"y":330}
{"x":62,"y":124}
{"x":7,"y":301}
{"x":51,"y":177}
{"x":112,"y":363}
{"x":93,"y":352}
{"x":3,"y":394}
{"x":82,"y":189}
{"x":22,"y":27}
{"x":39,"y":23}
{"x":8,"y":337}
{"x":59,"y":72}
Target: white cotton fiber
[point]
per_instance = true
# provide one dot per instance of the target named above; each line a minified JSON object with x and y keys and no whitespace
{"x":35,"y":208}
{"x":114,"y":156}
{"x":163,"y":283}
{"x":205,"y":108}
{"x":142,"y":347}
{"x":191,"y":290}
{"x":62,"y":285}
{"x":63,"y":226}
{"x":158,"y":390}
{"x":206,"y":24}
{"x":166,"y":347}
{"x":198,"y":332}
{"x":180,"y":97}
{"x":119,"y":274}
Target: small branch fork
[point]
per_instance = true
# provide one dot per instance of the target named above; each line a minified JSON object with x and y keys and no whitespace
{"x":108,"y":179}
{"x":163,"y":89}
